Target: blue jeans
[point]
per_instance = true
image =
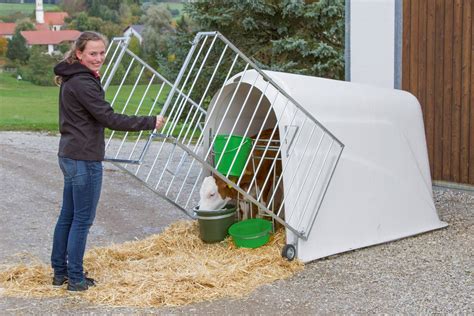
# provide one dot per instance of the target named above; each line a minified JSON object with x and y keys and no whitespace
{"x":82,"y":186}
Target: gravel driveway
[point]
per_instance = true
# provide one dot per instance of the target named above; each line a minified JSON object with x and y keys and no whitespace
{"x":429,"y":273}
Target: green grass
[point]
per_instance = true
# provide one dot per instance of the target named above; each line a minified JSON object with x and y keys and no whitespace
{"x":133,"y":103}
{"x":24,"y":106}
{"x":27,"y":8}
{"x":27,"y":107}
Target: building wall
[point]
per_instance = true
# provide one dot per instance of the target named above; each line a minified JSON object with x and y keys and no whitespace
{"x":372,"y":42}
{"x":438,"y":68}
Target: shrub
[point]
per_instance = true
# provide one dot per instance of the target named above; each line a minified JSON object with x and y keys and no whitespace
{"x":40,"y":68}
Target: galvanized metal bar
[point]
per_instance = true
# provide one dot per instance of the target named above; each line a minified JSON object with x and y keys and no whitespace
{"x":218,"y":98}
{"x":190,"y":166}
{"x":111,"y":61}
{"x":200,"y":140}
{"x":160,"y":149}
{"x":181,"y":107}
{"x":271,"y":137}
{"x":117,"y":64}
{"x":178,"y":101}
{"x":261,"y":128}
{"x":202,"y":100}
{"x":156,"y":73}
{"x":200,"y":103}
{"x":223,"y":38}
{"x":201,"y":137}
{"x":182,"y":104}
{"x":205,"y":92}
{"x":320,"y":201}
{"x":278,"y":152}
{"x":167,"y":123}
{"x":136,"y":112}
{"x":173,"y":117}
{"x":284,"y":167}
{"x":126,"y":103}
{"x":247,"y":129}
{"x":118,"y":165}
{"x":141,"y":132}
{"x":180,"y":75}
{"x":108,"y":49}
{"x":193,"y":85}
{"x":122,"y":82}
{"x":210,"y":147}
{"x":296,"y":172}
{"x":247,"y":196}
{"x":225,"y":114}
{"x":302,"y":214}
{"x":132,"y":162}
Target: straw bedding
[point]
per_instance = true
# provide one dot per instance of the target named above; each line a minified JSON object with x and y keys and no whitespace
{"x":169,"y":269}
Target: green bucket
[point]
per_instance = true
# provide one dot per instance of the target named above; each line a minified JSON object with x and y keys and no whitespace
{"x":251,"y":233}
{"x":230,"y":152}
{"x":214,"y":225}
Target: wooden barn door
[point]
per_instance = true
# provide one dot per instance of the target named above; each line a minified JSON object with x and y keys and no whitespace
{"x":438,"y":68}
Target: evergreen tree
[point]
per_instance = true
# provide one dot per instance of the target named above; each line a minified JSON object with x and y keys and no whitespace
{"x":305,"y":37}
{"x":17,"y":49}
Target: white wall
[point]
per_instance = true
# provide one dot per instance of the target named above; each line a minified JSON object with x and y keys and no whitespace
{"x":372,"y":42}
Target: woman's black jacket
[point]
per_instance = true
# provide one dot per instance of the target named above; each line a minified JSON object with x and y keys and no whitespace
{"x":83,"y":114}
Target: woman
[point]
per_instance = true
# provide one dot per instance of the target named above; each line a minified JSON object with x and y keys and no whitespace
{"x":83,"y":115}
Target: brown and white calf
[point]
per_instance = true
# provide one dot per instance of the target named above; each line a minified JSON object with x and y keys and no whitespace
{"x":215,"y":193}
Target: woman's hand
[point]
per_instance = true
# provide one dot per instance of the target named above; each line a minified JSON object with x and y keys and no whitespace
{"x":160,"y":122}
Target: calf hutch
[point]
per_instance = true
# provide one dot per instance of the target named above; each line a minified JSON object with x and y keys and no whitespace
{"x":346,"y":164}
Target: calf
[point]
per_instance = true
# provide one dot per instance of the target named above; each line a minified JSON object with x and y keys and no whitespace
{"x":215,"y":193}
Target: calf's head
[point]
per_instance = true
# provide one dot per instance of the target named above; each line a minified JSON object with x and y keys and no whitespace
{"x":210,"y":198}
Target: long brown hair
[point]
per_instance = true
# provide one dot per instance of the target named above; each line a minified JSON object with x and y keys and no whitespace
{"x":79,"y":45}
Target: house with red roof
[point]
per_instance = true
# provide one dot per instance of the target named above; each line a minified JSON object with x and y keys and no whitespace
{"x":7,"y":30}
{"x":48,"y":30}
{"x":55,"y":20}
{"x":52,"y":21}
{"x":51,"y":39}
{"x":44,"y":21}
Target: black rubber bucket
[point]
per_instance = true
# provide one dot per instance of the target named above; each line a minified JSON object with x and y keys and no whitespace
{"x":214,"y":225}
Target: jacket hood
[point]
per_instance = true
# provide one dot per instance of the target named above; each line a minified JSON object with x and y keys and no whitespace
{"x":66,"y":70}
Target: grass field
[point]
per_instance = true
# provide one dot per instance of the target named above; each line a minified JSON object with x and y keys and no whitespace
{"x":7,"y":9}
{"x":27,"y":107}
{"x":26,"y":8}
{"x":24,"y":106}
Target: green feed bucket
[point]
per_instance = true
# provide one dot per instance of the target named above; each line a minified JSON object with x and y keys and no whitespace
{"x":214,"y":225}
{"x":230,"y":152}
{"x":251,"y":233}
